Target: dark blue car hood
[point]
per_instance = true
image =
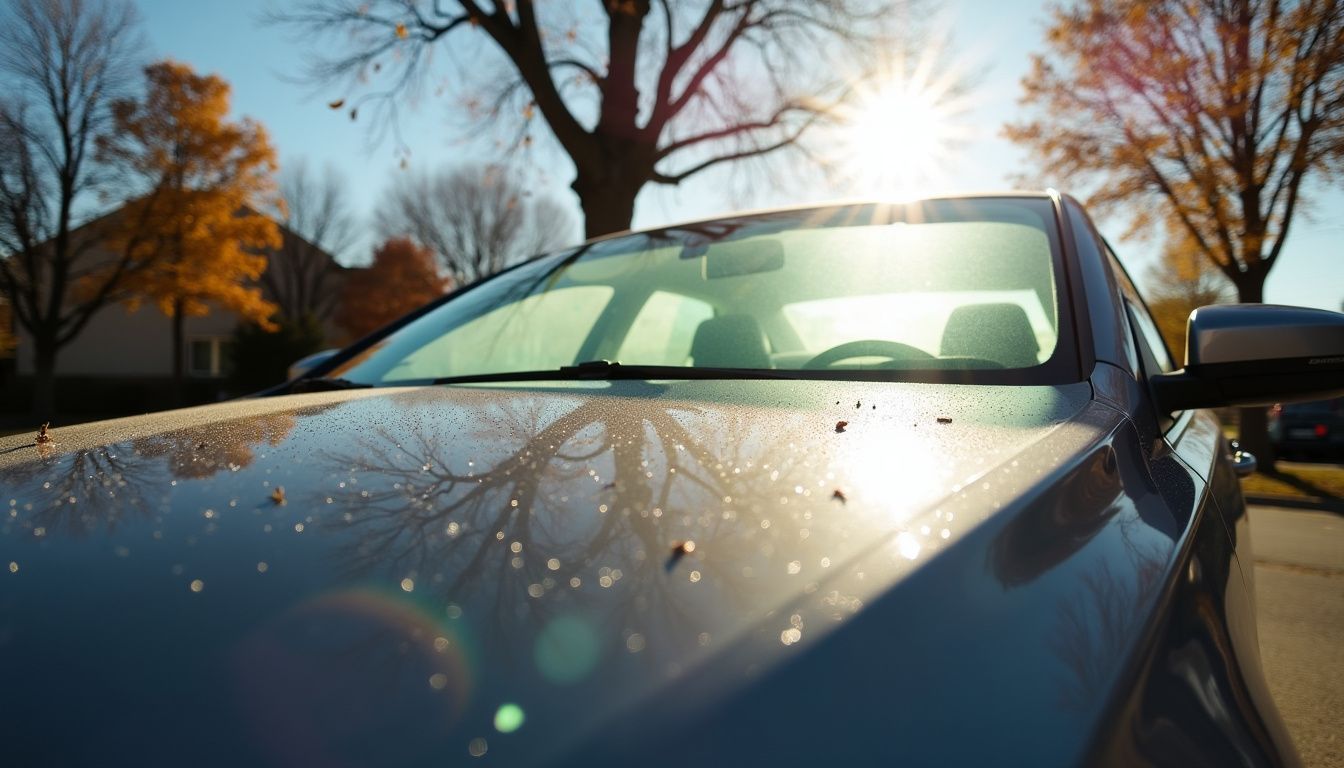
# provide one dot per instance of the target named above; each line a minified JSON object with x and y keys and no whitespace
{"x":515,"y":572}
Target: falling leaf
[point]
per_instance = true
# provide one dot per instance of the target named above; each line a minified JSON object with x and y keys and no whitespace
{"x":401,"y":31}
{"x":944,"y":420}
{"x":354,"y":111}
{"x":377,"y":66}
{"x":608,"y":486}
{"x":858,"y":404}
{"x":278,"y":495}
{"x":337,"y":104}
{"x":840,"y":426}
{"x":43,"y":435}
{"x":839,"y":496}
{"x":529,"y":110}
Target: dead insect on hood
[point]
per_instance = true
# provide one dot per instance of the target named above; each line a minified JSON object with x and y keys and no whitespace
{"x":278,"y":495}
{"x":839,"y":496}
{"x":840,"y":426}
{"x":944,"y":420}
{"x":43,"y":435}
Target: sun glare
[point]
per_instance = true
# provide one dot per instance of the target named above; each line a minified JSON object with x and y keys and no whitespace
{"x":899,"y":135}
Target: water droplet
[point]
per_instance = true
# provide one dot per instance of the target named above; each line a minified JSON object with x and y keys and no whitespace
{"x":908,"y":546}
{"x":795,"y":567}
{"x":197,"y":585}
{"x":438,"y":681}
{"x":477,"y":747}
{"x":408,"y":585}
{"x":635,"y":642}
{"x":13,"y":567}
{"x":790,"y":636}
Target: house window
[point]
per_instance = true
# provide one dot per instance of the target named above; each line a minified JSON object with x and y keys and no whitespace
{"x":205,"y":357}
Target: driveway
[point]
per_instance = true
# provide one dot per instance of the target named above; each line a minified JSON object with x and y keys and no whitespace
{"x":1299,"y":578}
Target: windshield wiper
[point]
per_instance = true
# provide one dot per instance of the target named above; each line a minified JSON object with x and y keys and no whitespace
{"x":606,"y":370}
{"x":324,"y":385}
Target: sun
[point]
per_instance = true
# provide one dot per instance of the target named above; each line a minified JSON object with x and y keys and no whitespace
{"x":899,"y":134}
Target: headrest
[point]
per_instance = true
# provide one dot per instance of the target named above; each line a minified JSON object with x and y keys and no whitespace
{"x":997,"y":332}
{"x":730,"y":341}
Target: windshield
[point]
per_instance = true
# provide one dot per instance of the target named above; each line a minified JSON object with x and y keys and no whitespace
{"x":960,"y":290}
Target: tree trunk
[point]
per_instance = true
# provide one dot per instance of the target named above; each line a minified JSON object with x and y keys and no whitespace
{"x":44,"y":379}
{"x":1253,"y":422}
{"x":608,"y":203}
{"x":179,"y":355}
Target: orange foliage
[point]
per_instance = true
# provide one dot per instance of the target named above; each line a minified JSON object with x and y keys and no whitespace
{"x":402,"y":277}
{"x":194,"y":231}
{"x":1204,"y":113}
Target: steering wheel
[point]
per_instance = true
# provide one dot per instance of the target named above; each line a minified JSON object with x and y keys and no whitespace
{"x":892,"y":350}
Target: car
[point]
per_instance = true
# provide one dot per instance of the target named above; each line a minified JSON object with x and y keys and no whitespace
{"x":1312,"y":430}
{"x":850,"y":484}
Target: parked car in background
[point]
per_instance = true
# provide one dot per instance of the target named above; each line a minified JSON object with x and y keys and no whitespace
{"x":1312,"y":430}
{"x":866,"y":484}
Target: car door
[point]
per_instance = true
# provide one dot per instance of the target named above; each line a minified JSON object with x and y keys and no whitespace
{"x":1204,"y":696}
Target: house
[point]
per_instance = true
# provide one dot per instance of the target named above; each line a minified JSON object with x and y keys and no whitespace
{"x":122,"y":360}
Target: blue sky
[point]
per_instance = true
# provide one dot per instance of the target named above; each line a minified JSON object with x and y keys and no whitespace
{"x":994,"y":38}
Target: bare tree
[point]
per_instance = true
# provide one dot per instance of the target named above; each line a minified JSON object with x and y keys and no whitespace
{"x":319,"y":225}
{"x":476,"y":220}
{"x":62,"y":63}
{"x":633,"y":91}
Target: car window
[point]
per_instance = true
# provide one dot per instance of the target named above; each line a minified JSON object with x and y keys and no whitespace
{"x":962,"y":285}
{"x":506,"y":338}
{"x":1142,"y":320}
{"x":662,"y":332}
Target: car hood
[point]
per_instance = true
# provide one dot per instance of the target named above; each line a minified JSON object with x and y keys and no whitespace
{"x":421,"y":575}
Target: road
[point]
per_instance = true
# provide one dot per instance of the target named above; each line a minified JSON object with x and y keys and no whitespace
{"x":1299,"y":580}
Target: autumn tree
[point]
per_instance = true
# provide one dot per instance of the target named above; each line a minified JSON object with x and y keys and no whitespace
{"x":1216,"y":114}
{"x":1182,"y":281}
{"x":476,"y":220}
{"x":193,"y":224}
{"x":632,"y":91}
{"x":62,"y":62}
{"x":402,"y":277}
{"x":319,"y":226}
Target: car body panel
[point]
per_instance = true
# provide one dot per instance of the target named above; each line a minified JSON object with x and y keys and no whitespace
{"x":145,"y":514}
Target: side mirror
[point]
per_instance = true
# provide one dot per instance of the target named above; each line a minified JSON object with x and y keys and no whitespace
{"x":1256,"y":354}
{"x":306,"y":364}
